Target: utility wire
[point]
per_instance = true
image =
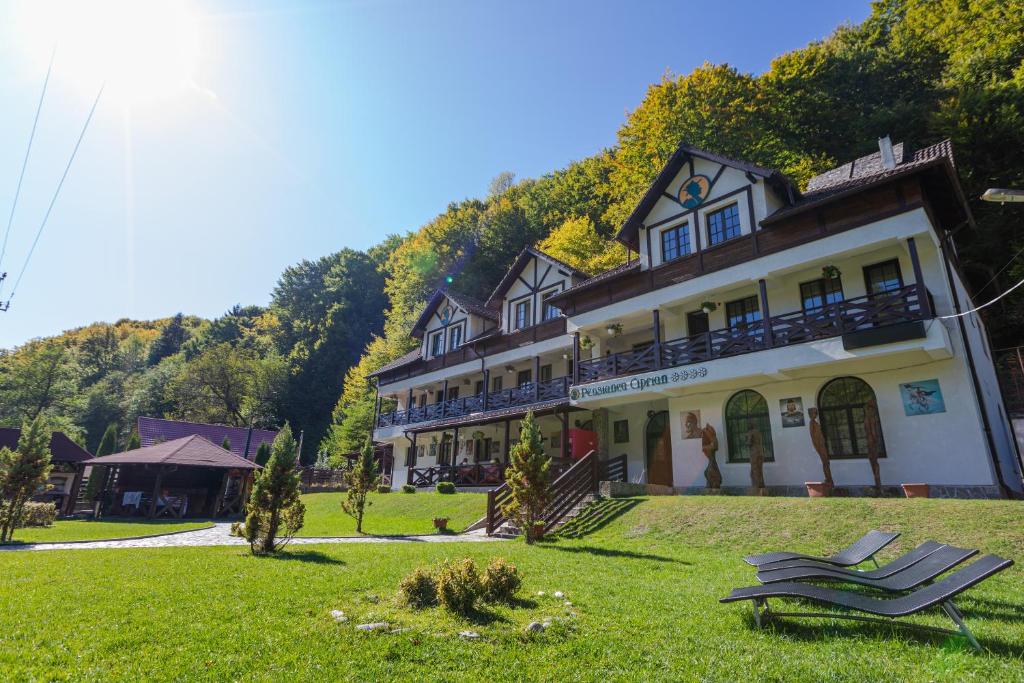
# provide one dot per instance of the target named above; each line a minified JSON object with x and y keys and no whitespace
{"x":24,"y":163}
{"x":984,"y":305}
{"x":56,"y":193}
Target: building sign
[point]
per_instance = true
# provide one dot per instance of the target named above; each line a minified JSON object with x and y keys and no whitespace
{"x":633,"y":385}
{"x":694,"y":191}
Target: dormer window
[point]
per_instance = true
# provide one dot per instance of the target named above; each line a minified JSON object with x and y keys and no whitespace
{"x":436,"y":344}
{"x":723,"y":224}
{"x":675,"y":242}
{"x":522,"y":317}
{"x":454,"y":338}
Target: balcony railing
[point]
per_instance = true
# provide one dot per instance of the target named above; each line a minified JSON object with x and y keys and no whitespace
{"x":832,"y":320}
{"x":527,"y":394}
{"x":473,"y":474}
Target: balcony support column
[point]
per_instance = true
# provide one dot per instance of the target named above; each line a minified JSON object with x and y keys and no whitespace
{"x":766,"y":316}
{"x":376,"y":411}
{"x":506,"y":446}
{"x":455,"y":448}
{"x":536,"y":378}
{"x":444,"y":398}
{"x":412,"y":460}
{"x":656,"y":314}
{"x":576,"y":357}
{"x":408,"y":401}
{"x":922,"y":292}
{"x":487,"y":389}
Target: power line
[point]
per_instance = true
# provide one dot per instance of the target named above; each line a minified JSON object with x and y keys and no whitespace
{"x":984,"y":305}
{"x":24,"y":163}
{"x":56,"y":193}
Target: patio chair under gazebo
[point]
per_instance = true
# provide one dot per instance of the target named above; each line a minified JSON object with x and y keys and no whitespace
{"x":187,"y":477}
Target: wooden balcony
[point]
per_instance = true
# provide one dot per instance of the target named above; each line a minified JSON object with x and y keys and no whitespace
{"x":844,"y":317}
{"x":526,"y":395}
{"x":475,"y":474}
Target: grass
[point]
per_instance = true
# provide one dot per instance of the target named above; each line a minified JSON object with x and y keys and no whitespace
{"x":644,"y":577}
{"x":87,"y":530}
{"x":392,"y":513}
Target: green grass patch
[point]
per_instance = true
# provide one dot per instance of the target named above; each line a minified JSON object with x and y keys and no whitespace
{"x":643,"y":581}
{"x":63,"y":531}
{"x":389,"y":514}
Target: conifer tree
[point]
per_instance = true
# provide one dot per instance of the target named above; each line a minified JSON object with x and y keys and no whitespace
{"x":133,"y":441}
{"x":262,"y":454}
{"x":274,"y":508}
{"x":226,"y":444}
{"x":108,"y":444}
{"x":527,"y":478}
{"x":98,"y":474}
{"x":22,"y":472}
{"x":360,"y":480}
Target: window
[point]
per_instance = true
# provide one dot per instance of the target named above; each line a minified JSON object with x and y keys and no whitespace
{"x":437,"y":344}
{"x":524,"y":378}
{"x":545,"y":373}
{"x":697,"y":323}
{"x":522,"y":318}
{"x":454,"y":338}
{"x":883,"y":277}
{"x":621,"y":431}
{"x":849,"y":418}
{"x":453,"y":393}
{"x":747,"y":425}
{"x":422,"y":400}
{"x":817,"y":294}
{"x":548,"y":311}
{"x":742,"y":313}
{"x":675,"y":242}
{"x":496,"y":384}
{"x":479,"y":388}
{"x":723,"y":224}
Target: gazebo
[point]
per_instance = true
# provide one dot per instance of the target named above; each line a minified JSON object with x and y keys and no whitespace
{"x":187,"y":477}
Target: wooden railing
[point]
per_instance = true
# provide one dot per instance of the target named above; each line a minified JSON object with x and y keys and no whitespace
{"x":614,"y":469}
{"x":478,"y":474}
{"x":875,"y":310}
{"x":527,"y":394}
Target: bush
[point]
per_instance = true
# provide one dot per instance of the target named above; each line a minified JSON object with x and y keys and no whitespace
{"x":501,"y":581}
{"x":383,"y":488}
{"x":458,"y":586}
{"x":37,"y":514}
{"x":445,"y":487}
{"x":408,"y":488}
{"x":418,"y":589}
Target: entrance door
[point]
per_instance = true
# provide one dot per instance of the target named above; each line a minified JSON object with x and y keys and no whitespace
{"x":658,"y":439}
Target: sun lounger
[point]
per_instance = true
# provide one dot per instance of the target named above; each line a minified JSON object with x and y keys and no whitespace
{"x":909,"y":576}
{"x":940,"y":594}
{"x":860,"y":551}
{"x":900,"y":563}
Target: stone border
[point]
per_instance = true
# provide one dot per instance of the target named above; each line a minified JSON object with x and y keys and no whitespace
{"x":210,"y":525}
{"x":617,"y":489}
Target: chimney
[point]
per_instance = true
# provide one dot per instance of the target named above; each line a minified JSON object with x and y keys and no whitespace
{"x":885,"y":149}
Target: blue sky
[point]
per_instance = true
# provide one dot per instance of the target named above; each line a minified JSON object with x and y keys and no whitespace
{"x":310,"y":126}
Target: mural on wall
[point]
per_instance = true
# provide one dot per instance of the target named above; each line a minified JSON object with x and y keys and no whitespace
{"x":691,"y":424}
{"x":446,"y":315}
{"x":621,"y":431}
{"x":818,"y":441}
{"x":709,"y":444}
{"x":792,"y":410}
{"x":922,"y":398}
{"x":694,"y":190}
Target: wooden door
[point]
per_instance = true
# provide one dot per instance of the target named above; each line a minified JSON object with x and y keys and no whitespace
{"x":659,"y":449}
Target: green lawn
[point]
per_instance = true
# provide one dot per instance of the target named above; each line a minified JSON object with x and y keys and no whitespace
{"x":644,"y":583}
{"x":82,"y":530}
{"x":392,"y":513}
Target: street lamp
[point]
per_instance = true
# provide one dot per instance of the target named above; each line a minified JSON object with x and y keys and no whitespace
{"x":1002,"y":196}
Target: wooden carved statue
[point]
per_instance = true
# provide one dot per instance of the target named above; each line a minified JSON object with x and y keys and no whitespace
{"x":818,"y":441}
{"x":709,"y":444}
{"x":873,"y":432}
{"x":756,"y":448}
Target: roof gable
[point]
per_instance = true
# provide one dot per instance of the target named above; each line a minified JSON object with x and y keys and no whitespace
{"x":520,"y":264}
{"x":62,"y":448}
{"x":467,"y":304}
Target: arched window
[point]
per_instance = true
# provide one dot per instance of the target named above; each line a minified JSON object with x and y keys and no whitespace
{"x":746,"y":414}
{"x":843,"y":413}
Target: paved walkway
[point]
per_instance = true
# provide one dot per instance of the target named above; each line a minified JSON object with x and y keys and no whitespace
{"x":220,"y":534}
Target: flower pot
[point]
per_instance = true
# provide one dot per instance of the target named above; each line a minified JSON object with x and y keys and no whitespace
{"x":538,"y":530}
{"x":916,"y":490}
{"x":818,"y":489}
{"x":441,"y":523}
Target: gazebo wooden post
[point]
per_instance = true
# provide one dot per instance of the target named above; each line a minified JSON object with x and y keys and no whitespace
{"x":156,"y":492}
{"x":69,"y":504}
{"x":221,"y":492}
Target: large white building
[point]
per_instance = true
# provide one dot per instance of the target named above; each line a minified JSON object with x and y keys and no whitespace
{"x":747,"y":306}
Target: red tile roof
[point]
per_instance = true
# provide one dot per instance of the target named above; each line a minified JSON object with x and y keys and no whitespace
{"x":190,"y":451}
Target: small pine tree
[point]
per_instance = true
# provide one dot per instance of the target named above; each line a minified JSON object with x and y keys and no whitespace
{"x":134,"y":441}
{"x":274,"y":508}
{"x":527,"y":478}
{"x":98,"y":474}
{"x":360,"y":480}
{"x":262,"y":454}
{"x":226,"y":444}
{"x":22,"y":473}
{"x":108,"y":444}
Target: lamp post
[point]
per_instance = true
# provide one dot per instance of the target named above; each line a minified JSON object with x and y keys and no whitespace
{"x":1002,"y":195}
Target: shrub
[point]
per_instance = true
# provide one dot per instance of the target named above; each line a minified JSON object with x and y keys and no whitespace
{"x":445,"y":487}
{"x":408,"y":488}
{"x":418,"y":589}
{"x":37,"y":514}
{"x":501,"y":581}
{"x":383,"y":488}
{"x":458,"y":586}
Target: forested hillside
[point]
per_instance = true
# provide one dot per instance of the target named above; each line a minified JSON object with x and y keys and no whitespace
{"x":918,"y":70}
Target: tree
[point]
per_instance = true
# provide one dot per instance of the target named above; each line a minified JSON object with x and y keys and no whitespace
{"x":133,"y":441}
{"x":527,"y":478}
{"x":226,"y":444}
{"x":500,"y":184}
{"x":108,"y":444}
{"x":262,"y":454}
{"x":274,"y":506}
{"x":360,"y":480}
{"x":38,"y":377}
{"x":577,"y":243}
{"x":171,"y":338}
{"x":22,"y":473}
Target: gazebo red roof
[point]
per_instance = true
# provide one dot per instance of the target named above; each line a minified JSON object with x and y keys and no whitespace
{"x":190,"y":451}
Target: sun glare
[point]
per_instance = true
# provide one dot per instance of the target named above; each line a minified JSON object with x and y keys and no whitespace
{"x":143,"y":50}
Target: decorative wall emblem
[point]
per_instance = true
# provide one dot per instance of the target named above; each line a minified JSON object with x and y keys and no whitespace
{"x":792,"y":410}
{"x":690,"y":420}
{"x":694,"y":191}
{"x":446,"y":315}
{"x":922,"y":398}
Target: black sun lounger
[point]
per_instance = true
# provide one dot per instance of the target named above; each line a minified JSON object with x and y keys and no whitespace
{"x":900,"y":563}
{"x":940,"y":593}
{"x":908,"y":576}
{"x":860,"y":551}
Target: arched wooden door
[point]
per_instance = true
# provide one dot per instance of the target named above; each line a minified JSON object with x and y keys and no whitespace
{"x":658,"y":440}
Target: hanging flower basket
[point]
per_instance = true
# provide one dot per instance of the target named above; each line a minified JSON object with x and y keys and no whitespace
{"x":615,"y":329}
{"x":830,"y":272}
{"x":708,"y":306}
{"x":586,"y":343}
